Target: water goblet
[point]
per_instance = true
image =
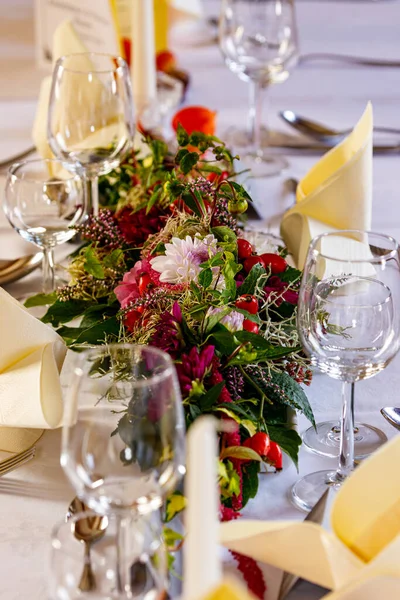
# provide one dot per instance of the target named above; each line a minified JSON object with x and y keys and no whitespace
{"x":91,"y":116}
{"x":349,"y":323}
{"x":258,"y":40}
{"x":44,"y":209}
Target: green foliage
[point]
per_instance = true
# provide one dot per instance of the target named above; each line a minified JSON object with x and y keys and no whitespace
{"x":250,"y":283}
{"x":96,"y":333}
{"x":40,"y":300}
{"x":174,"y":504}
{"x":65,"y":312}
{"x":92,"y":264}
{"x":250,"y":473}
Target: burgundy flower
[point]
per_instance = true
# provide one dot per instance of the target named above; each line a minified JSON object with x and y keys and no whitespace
{"x":194,"y":366}
{"x":279,"y":291}
{"x":167,"y":336}
{"x":137,"y":226}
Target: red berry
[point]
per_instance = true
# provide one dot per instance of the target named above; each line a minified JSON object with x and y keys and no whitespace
{"x":250,"y":326}
{"x":247,"y":302}
{"x":217,"y":177}
{"x":260,"y":443}
{"x":274,"y":456}
{"x":144,"y":283}
{"x":251,"y":261}
{"x":276,"y":263}
{"x":245,"y":249}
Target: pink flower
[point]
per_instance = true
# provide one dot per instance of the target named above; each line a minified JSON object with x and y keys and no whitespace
{"x":278,"y":291}
{"x":194,"y":366}
{"x":128,"y":290}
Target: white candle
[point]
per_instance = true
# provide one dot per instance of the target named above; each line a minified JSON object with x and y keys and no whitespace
{"x":143,"y":62}
{"x":202,"y":569}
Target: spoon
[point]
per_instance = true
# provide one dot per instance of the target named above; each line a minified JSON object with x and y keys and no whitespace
{"x":88,"y":531}
{"x":392,"y":415}
{"x":11,"y":270}
{"x":320,"y":132}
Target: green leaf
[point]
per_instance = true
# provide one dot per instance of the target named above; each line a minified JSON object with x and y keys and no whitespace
{"x":191,"y":203}
{"x":232,"y":407}
{"x":249,"y":284}
{"x":175,"y":504}
{"x":250,"y":473}
{"x":170,"y":537}
{"x":291,"y":275}
{"x":114,"y":258}
{"x":246,"y":423}
{"x":210,"y":398}
{"x":64,"y":312}
{"x":213,"y":319}
{"x":224,"y":234}
{"x":288,"y":439}
{"x":240,"y":452}
{"x":281,"y":388}
{"x":205,"y":278}
{"x":97,"y":314}
{"x":182,"y":135}
{"x":96,"y":334}
{"x":223,"y":340}
{"x":257,"y":341}
{"x":154,"y":197}
{"x":159,"y":150}
{"x":180,"y":154}
{"x":188,"y":162}
{"x":40,"y":300}
{"x":92,"y":264}
{"x":239,"y":189}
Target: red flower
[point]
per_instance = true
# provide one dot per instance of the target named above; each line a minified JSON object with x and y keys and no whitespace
{"x":194,"y":366}
{"x":137,"y":226}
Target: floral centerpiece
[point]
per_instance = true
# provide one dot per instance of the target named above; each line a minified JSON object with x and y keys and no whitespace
{"x":167,"y":263}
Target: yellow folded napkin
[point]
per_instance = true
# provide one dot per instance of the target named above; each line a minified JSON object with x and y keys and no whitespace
{"x":365,"y":537}
{"x":335,"y":194}
{"x":65,"y":41}
{"x":31,"y":357}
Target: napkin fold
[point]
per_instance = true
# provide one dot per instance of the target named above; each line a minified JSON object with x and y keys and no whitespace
{"x":65,"y":41}
{"x":31,"y":357}
{"x":365,"y":537}
{"x":335,"y":194}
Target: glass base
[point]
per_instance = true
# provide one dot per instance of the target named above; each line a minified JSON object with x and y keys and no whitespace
{"x":309,"y":489}
{"x":264,"y":165}
{"x":237,"y":137}
{"x":326,"y":440}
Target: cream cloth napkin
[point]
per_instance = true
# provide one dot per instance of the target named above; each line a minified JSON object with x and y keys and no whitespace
{"x":335,"y":194}
{"x":31,"y":357}
{"x":365,"y":538}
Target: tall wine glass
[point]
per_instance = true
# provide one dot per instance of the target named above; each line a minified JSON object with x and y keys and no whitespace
{"x":258,"y":40}
{"x":91,"y":116}
{"x":44,"y":208}
{"x":349,"y":324}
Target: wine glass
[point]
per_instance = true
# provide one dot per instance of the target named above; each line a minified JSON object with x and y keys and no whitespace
{"x":123,"y":440}
{"x":91,"y":116}
{"x":349,"y":323}
{"x":85,"y":560}
{"x":258,"y":40}
{"x":44,"y":208}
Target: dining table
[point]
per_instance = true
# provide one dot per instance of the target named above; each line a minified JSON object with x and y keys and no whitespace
{"x":36,"y":496}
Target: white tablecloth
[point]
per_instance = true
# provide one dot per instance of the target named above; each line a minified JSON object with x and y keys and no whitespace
{"x":333,"y":94}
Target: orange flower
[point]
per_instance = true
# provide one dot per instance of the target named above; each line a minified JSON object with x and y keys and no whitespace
{"x":195,"y":118}
{"x":165,"y":61}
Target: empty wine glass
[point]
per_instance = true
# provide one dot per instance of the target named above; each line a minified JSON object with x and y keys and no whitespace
{"x":349,"y":324}
{"x":91,"y":116}
{"x":44,"y":208}
{"x":85,"y":559}
{"x":123,"y":440}
{"x":258,"y":40}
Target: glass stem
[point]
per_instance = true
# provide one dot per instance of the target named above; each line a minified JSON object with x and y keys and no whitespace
{"x":255,"y":116}
{"x":91,"y":194}
{"x":123,"y":566}
{"x":48,"y":283}
{"x":346,"y":455}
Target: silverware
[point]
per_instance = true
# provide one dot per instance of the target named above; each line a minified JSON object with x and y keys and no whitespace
{"x":88,"y":531}
{"x":322,"y":133}
{"x":4,"y":164}
{"x":346,"y":58}
{"x":29,"y":489}
{"x":392,"y":415}
{"x":11,"y":270}
{"x":316,"y":515}
{"x":313,"y":148}
{"x":15,"y":461}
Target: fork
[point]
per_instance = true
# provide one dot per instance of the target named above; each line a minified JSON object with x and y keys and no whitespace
{"x":15,"y":461}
